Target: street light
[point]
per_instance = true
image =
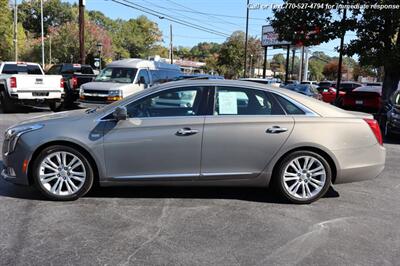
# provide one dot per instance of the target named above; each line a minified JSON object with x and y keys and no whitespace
{"x":99,"y":46}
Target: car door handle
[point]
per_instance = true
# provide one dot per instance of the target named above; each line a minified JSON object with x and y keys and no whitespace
{"x":276,"y":130}
{"x":186,"y":131}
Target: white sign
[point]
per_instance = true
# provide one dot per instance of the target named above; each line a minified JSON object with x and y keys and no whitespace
{"x":270,"y":38}
{"x":227,"y":103}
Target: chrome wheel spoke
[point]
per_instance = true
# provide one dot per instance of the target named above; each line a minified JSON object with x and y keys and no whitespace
{"x":57,"y":176}
{"x":304,"y":177}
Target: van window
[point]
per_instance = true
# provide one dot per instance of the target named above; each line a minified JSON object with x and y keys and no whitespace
{"x":144,"y":73}
{"x":117,"y":75}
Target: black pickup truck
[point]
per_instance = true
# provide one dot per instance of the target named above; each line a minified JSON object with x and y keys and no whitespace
{"x":74,"y":76}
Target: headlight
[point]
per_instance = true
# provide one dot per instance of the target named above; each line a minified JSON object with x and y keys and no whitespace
{"x":12,"y":135}
{"x":115,"y":93}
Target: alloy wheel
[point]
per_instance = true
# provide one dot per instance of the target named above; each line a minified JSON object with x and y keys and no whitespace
{"x":304,"y":177}
{"x":62,"y":173}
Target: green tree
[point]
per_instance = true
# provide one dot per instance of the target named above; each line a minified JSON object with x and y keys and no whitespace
{"x":138,"y":36}
{"x":55,"y":13}
{"x":65,"y":43}
{"x":316,"y":65}
{"x":378,"y":43}
{"x":204,"y":50}
{"x":231,"y":57}
{"x":6,"y":25}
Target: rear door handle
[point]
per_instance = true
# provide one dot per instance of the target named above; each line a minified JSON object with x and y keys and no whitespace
{"x":186,"y":131}
{"x":276,"y":130}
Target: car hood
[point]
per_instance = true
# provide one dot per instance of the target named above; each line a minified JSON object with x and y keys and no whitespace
{"x":65,"y":116}
{"x":104,"y":86}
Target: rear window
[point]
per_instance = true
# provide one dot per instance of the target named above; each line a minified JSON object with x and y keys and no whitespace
{"x":76,"y":69}
{"x":21,"y":69}
{"x":289,"y":107}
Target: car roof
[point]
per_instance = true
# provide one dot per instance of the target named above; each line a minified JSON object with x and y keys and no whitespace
{"x":141,"y":63}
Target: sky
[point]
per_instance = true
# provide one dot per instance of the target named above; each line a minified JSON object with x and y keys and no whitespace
{"x":224,"y":16}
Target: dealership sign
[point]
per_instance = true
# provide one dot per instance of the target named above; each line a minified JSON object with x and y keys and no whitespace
{"x":270,"y":37}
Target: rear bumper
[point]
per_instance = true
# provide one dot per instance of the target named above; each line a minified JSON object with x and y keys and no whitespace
{"x":360,"y":164}
{"x":28,"y":95}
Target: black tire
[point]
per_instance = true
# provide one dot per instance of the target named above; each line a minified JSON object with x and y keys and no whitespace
{"x":279,"y":182}
{"x":86,"y":186}
{"x":6,"y":103}
{"x":55,"y":106}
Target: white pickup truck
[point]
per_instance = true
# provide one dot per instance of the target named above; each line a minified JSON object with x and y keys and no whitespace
{"x":26,"y":83}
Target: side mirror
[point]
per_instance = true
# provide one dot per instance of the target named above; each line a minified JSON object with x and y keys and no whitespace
{"x":120,"y":113}
{"x":141,"y":80}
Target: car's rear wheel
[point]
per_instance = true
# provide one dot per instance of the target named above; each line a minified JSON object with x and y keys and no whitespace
{"x":55,"y":106}
{"x":303,"y":177}
{"x":62,"y":173}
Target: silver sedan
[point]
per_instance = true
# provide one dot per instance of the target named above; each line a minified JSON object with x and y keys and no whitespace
{"x":205,"y":132}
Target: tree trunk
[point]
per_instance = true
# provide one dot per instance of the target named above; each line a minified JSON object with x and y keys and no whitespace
{"x":390,"y":84}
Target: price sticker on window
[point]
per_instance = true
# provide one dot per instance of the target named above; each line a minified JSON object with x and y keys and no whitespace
{"x":227,"y":102}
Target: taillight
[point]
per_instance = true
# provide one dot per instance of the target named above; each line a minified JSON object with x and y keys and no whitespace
{"x":74,"y":83}
{"x":13,"y":82}
{"x":62,"y":83}
{"x":373,"y":124}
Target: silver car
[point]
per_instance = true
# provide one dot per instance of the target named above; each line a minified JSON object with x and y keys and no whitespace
{"x":203,"y":132}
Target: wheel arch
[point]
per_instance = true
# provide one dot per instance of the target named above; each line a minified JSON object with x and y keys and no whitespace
{"x":70,"y":144}
{"x":319,"y":151}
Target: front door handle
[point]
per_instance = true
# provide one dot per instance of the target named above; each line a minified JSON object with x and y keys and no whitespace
{"x":276,"y":130}
{"x":186,"y":131}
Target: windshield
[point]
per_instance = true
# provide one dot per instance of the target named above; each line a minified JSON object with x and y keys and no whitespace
{"x":117,"y":74}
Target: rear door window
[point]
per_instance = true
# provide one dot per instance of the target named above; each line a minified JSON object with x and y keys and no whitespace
{"x":289,"y":107}
{"x":244,"y":101}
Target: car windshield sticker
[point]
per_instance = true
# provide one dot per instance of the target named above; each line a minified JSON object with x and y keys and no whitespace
{"x":227,"y":103}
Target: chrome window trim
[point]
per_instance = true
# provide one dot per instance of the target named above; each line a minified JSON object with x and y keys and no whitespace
{"x":308,"y":112}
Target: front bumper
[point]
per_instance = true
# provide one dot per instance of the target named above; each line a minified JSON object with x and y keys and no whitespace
{"x":15,"y":161}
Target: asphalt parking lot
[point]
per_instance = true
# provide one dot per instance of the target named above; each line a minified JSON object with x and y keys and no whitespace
{"x":355,"y":224}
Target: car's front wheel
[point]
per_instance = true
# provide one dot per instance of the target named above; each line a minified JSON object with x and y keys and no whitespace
{"x":62,"y":173}
{"x":303,"y":177}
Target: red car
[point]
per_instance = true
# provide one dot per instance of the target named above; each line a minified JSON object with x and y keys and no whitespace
{"x":365,"y":98}
{"x":329,"y":94}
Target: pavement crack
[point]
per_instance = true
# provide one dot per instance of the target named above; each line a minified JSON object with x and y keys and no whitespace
{"x":160,"y":225}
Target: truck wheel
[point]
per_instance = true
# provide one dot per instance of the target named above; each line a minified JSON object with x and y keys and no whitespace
{"x":55,"y":106}
{"x":6,"y":103}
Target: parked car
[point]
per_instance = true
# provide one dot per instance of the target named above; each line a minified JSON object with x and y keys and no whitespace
{"x":326,"y":84}
{"x":329,"y":94}
{"x":74,"y":76}
{"x":272,"y":82}
{"x":26,"y":83}
{"x":308,"y":82}
{"x":347,"y":86}
{"x":393,"y":115}
{"x":305,"y":89}
{"x":365,"y":98}
{"x":217,"y":132}
{"x":198,"y":76}
{"x":124,"y":77}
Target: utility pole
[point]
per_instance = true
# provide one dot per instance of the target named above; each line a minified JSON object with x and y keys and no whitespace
{"x":245,"y":42}
{"x":49,"y":49}
{"x":171,"y":46}
{"x":293,"y":55}
{"x":265,"y":62}
{"x":287,"y":64}
{"x":15,"y":30}
{"x":340,"y":58}
{"x":41,"y":25}
{"x":82,"y":31}
{"x":301,"y":64}
{"x":305,"y":72}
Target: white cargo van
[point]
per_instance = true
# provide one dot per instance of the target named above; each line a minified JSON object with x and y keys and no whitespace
{"x":125,"y":77}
